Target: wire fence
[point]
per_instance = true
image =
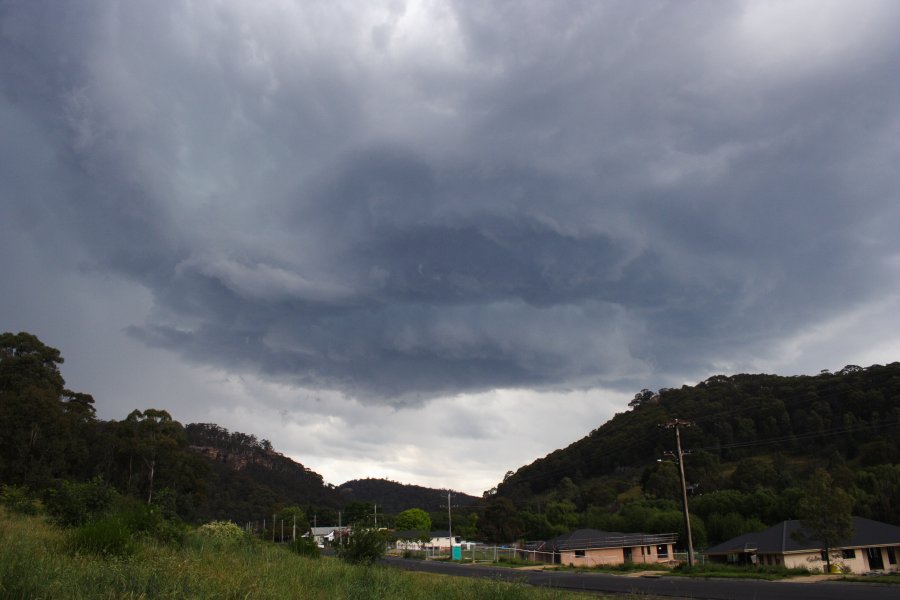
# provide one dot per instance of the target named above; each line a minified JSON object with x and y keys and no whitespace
{"x":466,"y":552}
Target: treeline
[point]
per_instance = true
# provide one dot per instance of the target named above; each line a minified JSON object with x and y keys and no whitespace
{"x":755,"y":441}
{"x":50,"y":436}
{"x":53,"y":446}
{"x":394,"y":497}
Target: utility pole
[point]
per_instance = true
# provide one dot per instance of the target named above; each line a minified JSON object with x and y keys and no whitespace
{"x":676,"y":424}
{"x":449,"y":524}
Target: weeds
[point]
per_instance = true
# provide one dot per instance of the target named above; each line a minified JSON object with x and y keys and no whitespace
{"x":37,"y":561}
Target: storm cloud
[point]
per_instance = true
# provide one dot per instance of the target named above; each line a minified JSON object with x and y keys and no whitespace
{"x":404,"y":201}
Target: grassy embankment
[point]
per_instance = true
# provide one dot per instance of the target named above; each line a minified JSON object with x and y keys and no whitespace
{"x":39,"y":560}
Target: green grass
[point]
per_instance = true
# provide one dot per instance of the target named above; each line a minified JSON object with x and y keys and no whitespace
{"x":40,"y":561}
{"x":705,"y":570}
{"x":630,"y":567}
{"x":892,"y":578}
{"x":738,"y":572}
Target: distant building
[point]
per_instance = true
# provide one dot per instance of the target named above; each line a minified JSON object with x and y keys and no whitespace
{"x":412,"y":540}
{"x":874,"y":546}
{"x":328,"y":534}
{"x":592,"y":547}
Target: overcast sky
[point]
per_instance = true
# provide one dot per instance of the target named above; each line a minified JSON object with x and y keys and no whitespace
{"x":434,"y":241}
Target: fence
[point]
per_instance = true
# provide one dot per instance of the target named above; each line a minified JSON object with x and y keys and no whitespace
{"x":470,"y":553}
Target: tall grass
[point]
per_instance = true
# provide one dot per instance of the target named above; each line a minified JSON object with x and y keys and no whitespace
{"x":38,"y":560}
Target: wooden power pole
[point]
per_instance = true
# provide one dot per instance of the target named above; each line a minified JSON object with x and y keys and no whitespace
{"x":677,"y":424}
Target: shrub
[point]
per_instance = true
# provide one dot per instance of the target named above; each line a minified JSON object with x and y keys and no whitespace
{"x":149,"y":522}
{"x":305,"y":546}
{"x":222,"y":532}
{"x":713,"y":569}
{"x":107,"y":535}
{"x":364,"y":546}
{"x":18,"y":499}
{"x":77,"y":503}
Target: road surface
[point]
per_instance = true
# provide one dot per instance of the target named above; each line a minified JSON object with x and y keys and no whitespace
{"x":672,"y":587}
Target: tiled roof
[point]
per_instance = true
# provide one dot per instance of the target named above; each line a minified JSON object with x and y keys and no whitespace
{"x":583,"y":539}
{"x":780,"y":538}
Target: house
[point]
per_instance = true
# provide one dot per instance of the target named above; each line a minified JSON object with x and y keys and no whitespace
{"x":327,"y":534}
{"x":591,"y":547}
{"x":874,"y":546}
{"x":412,"y":540}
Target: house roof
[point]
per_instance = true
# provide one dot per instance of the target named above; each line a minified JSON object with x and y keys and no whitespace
{"x":583,"y":539}
{"x":323,"y":530}
{"x":780,"y":539}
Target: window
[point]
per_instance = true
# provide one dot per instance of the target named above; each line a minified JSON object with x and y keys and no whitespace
{"x":892,"y":556}
{"x":662,"y":551}
{"x":848,"y":553}
{"x":579,"y":553}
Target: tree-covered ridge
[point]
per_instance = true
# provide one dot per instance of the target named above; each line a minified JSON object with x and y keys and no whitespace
{"x":395,"y":497}
{"x":50,"y":436}
{"x":758,"y":444}
{"x":248,"y":474}
{"x":855,"y":412}
{"x":755,"y":440}
{"x":216,"y":436}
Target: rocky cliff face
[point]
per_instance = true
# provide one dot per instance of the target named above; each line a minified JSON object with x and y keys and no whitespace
{"x":238,"y":461}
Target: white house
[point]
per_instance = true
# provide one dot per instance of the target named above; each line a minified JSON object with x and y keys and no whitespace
{"x":327,"y":534}
{"x":412,"y":540}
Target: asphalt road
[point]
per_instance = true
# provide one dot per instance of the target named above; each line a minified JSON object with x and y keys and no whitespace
{"x":673,"y":587}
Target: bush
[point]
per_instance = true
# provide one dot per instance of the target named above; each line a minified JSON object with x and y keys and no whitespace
{"x":149,"y":522}
{"x":713,"y":569}
{"x":364,"y":546}
{"x":107,"y":535}
{"x":305,"y":546}
{"x":222,"y":532}
{"x":18,"y":499}
{"x":77,"y":503}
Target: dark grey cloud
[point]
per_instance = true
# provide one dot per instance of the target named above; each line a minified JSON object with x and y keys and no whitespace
{"x":404,"y":202}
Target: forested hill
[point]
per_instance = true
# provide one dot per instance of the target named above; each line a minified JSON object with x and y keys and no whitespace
{"x":745,"y":431}
{"x":51,"y":438}
{"x":395,"y":497}
{"x":248,"y":473}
